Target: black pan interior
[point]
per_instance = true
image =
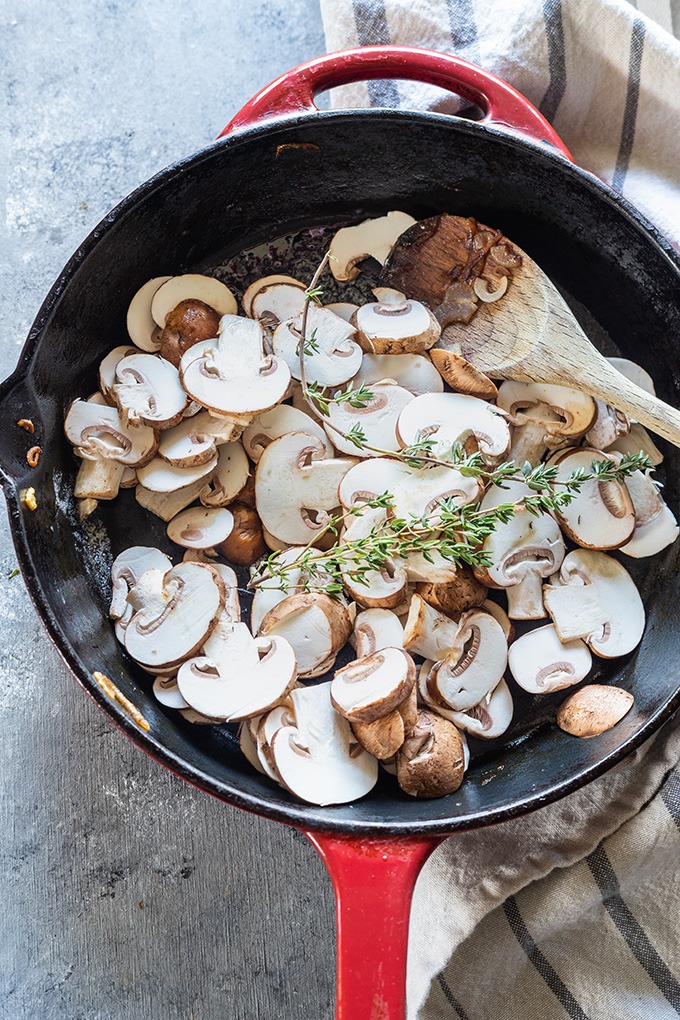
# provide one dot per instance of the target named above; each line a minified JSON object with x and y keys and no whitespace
{"x":239,"y":194}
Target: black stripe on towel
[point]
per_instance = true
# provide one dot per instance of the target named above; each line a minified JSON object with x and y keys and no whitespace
{"x":463,"y":27}
{"x":557,"y":66}
{"x":670,"y":795}
{"x":637,"y":41}
{"x":451,"y":999}
{"x":371,"y":22}
{"x":631,"y":929}
{"x":544,"y":968}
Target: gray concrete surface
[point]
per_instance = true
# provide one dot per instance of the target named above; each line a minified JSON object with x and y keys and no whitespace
{"x":125,"y":893}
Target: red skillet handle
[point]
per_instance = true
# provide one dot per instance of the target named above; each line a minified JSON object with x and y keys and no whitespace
{"x":294,"y":92}
{"x":374,"y":881}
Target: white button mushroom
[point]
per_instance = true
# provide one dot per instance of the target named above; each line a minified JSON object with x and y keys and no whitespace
{"x":315,"y":625}
{"x":448,"y":418}
{"x":541,"y":663}
{"x":655,"y":525}
{"x":200,"y":528}
{"x":331,"y":356}
{"x":473,"y":665}
{"x":395,"y":325}
{"x":428,"y":632}
{"x":372,"y":687}
{"x":601,"y":514}
{"x":491,"y":717}
{"x":280,"y":421}
{"x":228,"y":477}
{"x":148,"y":391}
{"x":375,"y":629}
{"x":545,"y":417}
{"x":415,"y":372}
{"x":195,"y":439}
{"x":377,"y":420}
{"x":126,"y":570}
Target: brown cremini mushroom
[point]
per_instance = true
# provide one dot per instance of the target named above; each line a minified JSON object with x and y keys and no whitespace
{"x":430,"y":762}
{"x":187,"y":324}
{"x":593,"y":710}
{"x":245,"y":544}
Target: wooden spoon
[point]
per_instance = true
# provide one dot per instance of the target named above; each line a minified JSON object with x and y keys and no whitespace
{"x":531,"y":335}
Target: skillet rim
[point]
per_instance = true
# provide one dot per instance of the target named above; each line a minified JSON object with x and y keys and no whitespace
{"x":308,"y":817}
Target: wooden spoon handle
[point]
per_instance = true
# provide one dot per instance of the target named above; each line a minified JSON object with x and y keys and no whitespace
{"x":609,"y":385}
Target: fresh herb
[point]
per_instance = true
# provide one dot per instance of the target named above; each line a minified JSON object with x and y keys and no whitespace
{"x":13,"y":573}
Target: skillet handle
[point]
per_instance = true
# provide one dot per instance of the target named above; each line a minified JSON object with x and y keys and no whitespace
{"x":374,"y":881}
{"x":294,"y":92}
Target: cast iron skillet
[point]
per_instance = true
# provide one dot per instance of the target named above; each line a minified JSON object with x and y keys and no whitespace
{"x":284,"y":165}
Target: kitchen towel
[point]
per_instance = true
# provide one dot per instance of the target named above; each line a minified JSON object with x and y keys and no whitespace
{"x":574,"y":911}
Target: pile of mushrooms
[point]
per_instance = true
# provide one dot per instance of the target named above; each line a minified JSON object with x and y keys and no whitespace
{"x":204,"y":418}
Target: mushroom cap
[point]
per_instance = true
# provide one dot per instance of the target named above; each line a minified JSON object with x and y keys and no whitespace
{"x":655,"y":525}
{"x":174,"y":613}
{"x":214,"y":683}
{"x":420,"y":492}
{"x":265,"y":281}
{"x":414,"y":372}
{"x":315,"y":625}
{"x":370,"y":688}
{"x":167,"y":692}
{"x":231,"y":375}
{"x":335,"y":357}
{"x":375,"y":629}
{"x":474,"y":665}
{"x":273,"y":590}
{"x":107,"y":370}
{"x":378,"y":420}
{"x":456,"y":596}
{"x":200,"y":527}
{"x":296,"y":485}
{"x":383,"y":737}
{"x":98,"y":433}
{"x":229,"y":476}
{"x":491,"y":717}
{"x":430,"y":762}
{"x":374,"y":237}
{"x":615,"y":624}
{"x":160,"y":476}
{"x":192,"y":286}
{"x":541,"y":663}
{"x":126,"y":570}
{"x":609,"y":424}
{"x":575,"y":409}
{"x":195,"y":439}
{"x":395,"y":326}
{"x":148,"y":390}
{"x":593,"y":710}
{"x":318,"y":758}
{"x":448,"y":418}
{"x":275,"y":302}
{"x":143,"y":331}
{"x":277,"y":422}
{"x":601,"y":514}
{"x":461,"y":376}
{"x":371,"y":478}
{"x":383,"y":588}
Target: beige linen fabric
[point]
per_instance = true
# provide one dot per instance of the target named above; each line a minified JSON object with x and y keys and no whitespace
{"x":573,"y":911}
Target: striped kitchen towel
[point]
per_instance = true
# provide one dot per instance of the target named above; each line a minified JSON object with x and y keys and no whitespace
{"x":574,"y":911}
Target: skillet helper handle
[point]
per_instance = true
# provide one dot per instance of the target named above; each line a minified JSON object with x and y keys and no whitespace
{"x":373,"y":881}
{"x":294,"y":92}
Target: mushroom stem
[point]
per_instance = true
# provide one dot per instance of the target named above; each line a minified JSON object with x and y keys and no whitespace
{"x":525,"y":600}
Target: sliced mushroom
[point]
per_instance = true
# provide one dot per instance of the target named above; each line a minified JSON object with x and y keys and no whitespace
{"x":192,"y":287}
{"x":279,"y":422}
{"x":634,"y":373}
{"x":430,"y":763}
{"x":375,"y":629}
{"x":296,"y":486}
{"x":473,"y":666}
{"x":545,"y":417}
{"x":491,"y":717}
{"x":342,"y":308}
{"x":228,"y":478}
{"x":195,"y":440}
{"x":428,"y":632}
{"x":371,"y":478}
{"x":541,"y":663}
{"x":167,"y":692}
{"x":265,"y":282}
{"x":272,"y":590}
{"x":213,"y":684}
{"x":655,"y":525}
{"x":167,"y":505}
{"x":98,"y":433}
{"x":377,"y":420}
{"x":107,"y":370}
{"x":200,"y":528}
{"x":315,"y":625}
{"x":457,"y":596}
{"x":502,"y":617}
{"x":126,"y":570}
{"x":248,"y":746}
{"x":638,"y":440}
{"x":160,"y":476}
{"x":601,"y":514}
{"x":448,"y":418}
{"x":318,"y":758}
{"x":395,"y":325}
{"x":414,"y":372}
{"x":522,"y":551}
{"x":372,"y":238}
{"x":593,"y":597}
{"x":420,"y":493}
{"x":144,"y":332}
{"x":461,"y":376}
{"x":384,"y":588}
{"x":383,"y":737}
{"x":191,"y":322}
{"x":148,"y":391}
{"x":231,"y":375}
{"x":98,"y":479}
{"x":593,"y":710}
{"x":274,"y":299}
{"x":331,"y":355}
{"x":370,"y":688}
{"x":608,"y":426}
{"x":174,"y":613}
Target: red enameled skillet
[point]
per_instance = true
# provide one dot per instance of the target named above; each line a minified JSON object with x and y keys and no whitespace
{"x":280,"y":166}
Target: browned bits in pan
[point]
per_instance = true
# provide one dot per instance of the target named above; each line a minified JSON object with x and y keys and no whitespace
{"x":33,"y":456}
{"x":26,"y":423}
{"x":116,"y":694}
